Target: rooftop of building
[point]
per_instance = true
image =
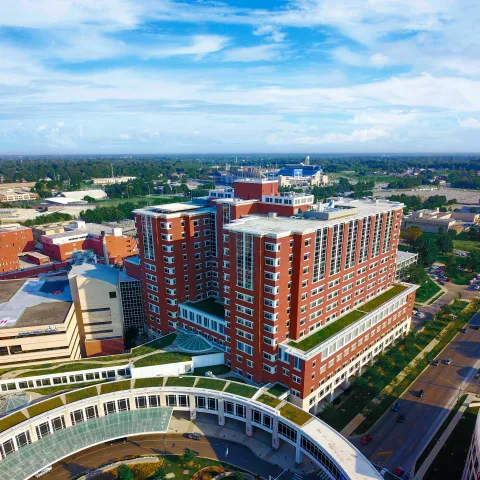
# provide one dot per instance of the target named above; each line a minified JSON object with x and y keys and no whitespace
{"x":135,"y":260}
{"x":78,"y":227}
{"x":210,"y":306}
{"x":95,"y":271}
{"x":12,"y":227}
{"x":402,"y":256}
{"x":342,"y":210}
{"x":170,"y":208}
{"x":27,"y":303}
{"x":320,"y":336}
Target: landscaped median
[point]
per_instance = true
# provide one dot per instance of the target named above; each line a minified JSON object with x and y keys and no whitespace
{"x":358,"y":398}
{"x":393,"y":389}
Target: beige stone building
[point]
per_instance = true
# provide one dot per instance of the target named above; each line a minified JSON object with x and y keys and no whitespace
{"x":37,"y":322}
{"x":12,"y":195}
{"x":96,"y":295}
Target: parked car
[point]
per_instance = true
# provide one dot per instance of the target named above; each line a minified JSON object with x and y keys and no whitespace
{"x":415,"y":311}
{"x":193,"y":436}
{"x":420,"y":315}
{"x":448,"y":361}
{"x":400,"y":418}
{"x":366,"y":438}
{"x":448,"y":279}
{"x":396,"y":407}
{"x":399,"y":471}
{"x":477,"y":287}
{"x":435,"y":363}
{"x":420,"y":393}
{"x":464,"y":330}
{"x":441,"y":282}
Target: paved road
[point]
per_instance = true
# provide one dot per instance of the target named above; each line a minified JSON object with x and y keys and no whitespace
{"x":91,"y":458}
{"x":398,"y":444}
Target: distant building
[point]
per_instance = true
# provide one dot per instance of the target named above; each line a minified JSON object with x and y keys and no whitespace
{"x":14,"y":239}
{"x":223,"y":177}
{"x":466,"y":217}
{"x":301,"y":176}
{"x":81,"y":194}
{"x":105,"y":241}
{"x":16,"y":195}
{"x":111,"y":180}
{"x":430,"y":221}
{"x":15,"y":215}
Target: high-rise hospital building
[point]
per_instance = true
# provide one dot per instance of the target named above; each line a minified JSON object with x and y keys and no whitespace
{"x":293,"y":291}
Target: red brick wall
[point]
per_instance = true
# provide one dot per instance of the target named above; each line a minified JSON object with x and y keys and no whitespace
{"x":11,"y":244}
{"x":111,"y":346}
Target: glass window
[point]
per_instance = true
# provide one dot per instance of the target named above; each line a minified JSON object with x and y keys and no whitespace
{"x":201,"y":402}
{"x":109,"y":407}
{"x":171,"y":400}
{"x":43,"y":430}
{"x":77,"y":416}
{"x":240,"y":410}
{"x":123,"y":404}
{"x":154,"y":400}
{"x":23,"y":439}
{"x":141,"y":402}
{"x":212,"y":404}
{"x":92,"y":412}
{"x":183,"y":401}
{"x":8,"y":447}
{"x":58,"y":423}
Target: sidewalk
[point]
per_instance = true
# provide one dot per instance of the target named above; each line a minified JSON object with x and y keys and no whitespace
{"x":436,"y":449}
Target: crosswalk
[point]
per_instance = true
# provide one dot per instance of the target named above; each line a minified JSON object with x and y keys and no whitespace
{"x":297,"y":476}
{"x":322,"y":475}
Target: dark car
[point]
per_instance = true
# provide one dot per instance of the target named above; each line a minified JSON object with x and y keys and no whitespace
{"x":117,"y":440}
{"x":396,"y":407}
{"x":193,"y":436}
{"x":464,"y":330}
{"x":420,"y":393}
{"x":400,"y":418}
{"x":476,"y":327}
{"x":435,"y":363}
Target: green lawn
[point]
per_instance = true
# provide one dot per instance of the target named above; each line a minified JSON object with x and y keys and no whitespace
{"x":381,"y":299}
{"x":211,"y":383}
{"x":468,"y":245}
{"x":113,"y":202}
{"x":158,"y":344}
{"x":450,"y":461}
{"x":427,"y":290}
{"x":115,"y":386}
{"x":162,"y":359}
{"x":277,"y":389}
{"x":242,"y":390}
{"x":149,"y":382}
{"x":457,"y":306}
{"x":11,"y":420}
{"x":44,"y":406}
{"x":180,"y":381}
{"x":268,"y":400}
{"x":326,"y":332}
{"x":71,"y":367}
{"x":81,"y":394}
{"x":294,"y":414}
{"x":215,"y":369}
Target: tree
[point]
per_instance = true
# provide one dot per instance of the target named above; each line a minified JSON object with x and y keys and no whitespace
{"x":239,"y":475}
{"x":89,"y":199}
{"x":416,"y":274}
{"x":427,"y":249}
{"x":472,"y":262}
{"x":412,"y":234}
{"x":124,"y":472}
{"x":451,"y":266}
{"x":160,"y":474}
{"x":188,"y":456}
{"x":445,"y":243}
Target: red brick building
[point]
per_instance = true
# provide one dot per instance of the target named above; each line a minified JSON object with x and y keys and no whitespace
{"x":14,"y":239}
{"x":105,"y":241}
{"x":293,"y":291}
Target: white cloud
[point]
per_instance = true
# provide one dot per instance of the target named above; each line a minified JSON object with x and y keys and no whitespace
{"x":198,"y":45}
{"x":357,"y":136}
{"x":253,"y":54}
{"x":60,"y":124}
{"x":470,"y":122}
{"x":125,"y":136}
{"x":385,"y":118}
{"x":272,"y":32}
{"x":41,"y":128}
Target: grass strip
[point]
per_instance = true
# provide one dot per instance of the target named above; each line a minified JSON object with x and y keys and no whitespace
{"x":149,"y":382}
{"x":241,"y":389}
{"x":11,"y":420}
{"x":115,"y":386}
{"x":210,"y":383}
{"x":45,"y":406}
{"x":269,"y":400}
{"x":180,"y":381}
{"x":81,"y":394}
{"x":294,"y":414}
{"x":162,"y":359}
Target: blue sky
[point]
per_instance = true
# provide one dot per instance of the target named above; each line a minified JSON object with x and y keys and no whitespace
{"x":307,"y":76}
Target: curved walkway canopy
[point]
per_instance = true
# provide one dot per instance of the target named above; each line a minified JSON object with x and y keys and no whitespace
{"x":30,"y":459}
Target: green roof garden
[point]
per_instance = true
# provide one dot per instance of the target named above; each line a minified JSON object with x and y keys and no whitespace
{"x":294,"y":414}
{"x":382,"y":298}
{"x":210,"y":306}
{"x":161,"y":359}
{"x":241,"y":389}
{"x":326,"y":332}
{"x":268,"y":400}
{"x":343,"y":322}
